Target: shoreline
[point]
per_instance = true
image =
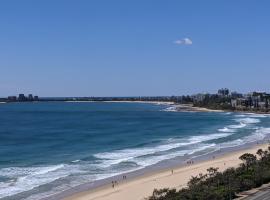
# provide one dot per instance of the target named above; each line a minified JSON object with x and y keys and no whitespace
{"x":142,"y":185}
{"x":191,"y":108}
{"x":150,"y":102}
{"x":178,"y":106}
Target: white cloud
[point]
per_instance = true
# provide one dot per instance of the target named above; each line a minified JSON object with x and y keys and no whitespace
{"x":184,"y":41}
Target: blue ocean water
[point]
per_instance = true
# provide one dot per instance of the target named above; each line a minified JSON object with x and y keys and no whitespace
{"x":46,"y":148}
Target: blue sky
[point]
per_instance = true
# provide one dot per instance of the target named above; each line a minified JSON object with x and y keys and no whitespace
{"x":131,"y":48}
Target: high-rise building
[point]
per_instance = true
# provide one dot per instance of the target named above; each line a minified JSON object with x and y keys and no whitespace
{"x":30,"y":97}
{"x":223,"y":92}
{"x":36,"y":98}
{"x":21,"y":97}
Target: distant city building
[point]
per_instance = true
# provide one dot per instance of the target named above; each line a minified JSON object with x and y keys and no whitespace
{"x":30,"y":97}
{"x":36,"y":98}
{"x":236,"y":95}
{"x":234,"y":103}
{"x":12,"y":98}
{"x":198,"y":97}
{"x":223,"y":92}
{"x":21,"y":97}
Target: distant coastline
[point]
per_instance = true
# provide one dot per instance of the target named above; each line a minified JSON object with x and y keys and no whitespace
{"x":223,"y":100}
{"x":179,"y":107}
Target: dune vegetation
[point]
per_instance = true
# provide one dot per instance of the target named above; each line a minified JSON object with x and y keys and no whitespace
{"x":253,"y":172}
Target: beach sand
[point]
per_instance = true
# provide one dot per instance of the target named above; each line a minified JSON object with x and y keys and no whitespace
{"x":141,"y":187}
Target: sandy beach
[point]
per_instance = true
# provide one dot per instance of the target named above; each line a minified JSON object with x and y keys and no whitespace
{"x":191,"y":108}
{"x":150,"y":102}
{"x":143,"y":186}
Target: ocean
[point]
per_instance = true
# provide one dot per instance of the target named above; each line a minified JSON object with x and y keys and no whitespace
{"x":50,"y":147}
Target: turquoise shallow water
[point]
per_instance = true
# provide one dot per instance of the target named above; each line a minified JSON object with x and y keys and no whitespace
{"x":46,"y":148}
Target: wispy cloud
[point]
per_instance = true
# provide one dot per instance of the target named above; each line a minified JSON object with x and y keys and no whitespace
{"x":184,"y":41}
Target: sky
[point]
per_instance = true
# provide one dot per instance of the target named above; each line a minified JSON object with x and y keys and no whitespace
{"x":133,"y":47}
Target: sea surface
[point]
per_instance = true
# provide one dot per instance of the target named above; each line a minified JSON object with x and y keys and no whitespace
{"x":46,"y":148}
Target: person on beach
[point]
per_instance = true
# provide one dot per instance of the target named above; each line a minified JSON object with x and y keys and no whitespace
{"x":172,"y":171}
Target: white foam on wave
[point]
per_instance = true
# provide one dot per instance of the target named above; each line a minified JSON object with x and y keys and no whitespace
{"x":126,"y":154}
{"x":23,"y":179}
{"x":203,"y":138}
{"x":75,"y":161}
{"x":241,"y":115}
{"x":156,"y":159}
{"x":237,"y":126}
{"x":227,"y":130}
{"x":118,"y":156}
{"x":243,"y":120}
{"x":248,"y":120}
{"x":253,"y":115}
{"x":259,"y":134}
{"x":170,"y":109}
{"x":227,"y":113}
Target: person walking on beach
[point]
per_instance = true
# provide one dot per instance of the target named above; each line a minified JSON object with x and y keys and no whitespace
{"x":172,"y":171}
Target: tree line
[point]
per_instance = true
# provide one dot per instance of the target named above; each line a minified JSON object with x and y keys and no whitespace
{"x":252,"y":172}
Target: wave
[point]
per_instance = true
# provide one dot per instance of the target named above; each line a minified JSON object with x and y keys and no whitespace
{"x":156,"y":159}
{"x":243,"y":122}
{"x":170,"y":109}
{"x":21,"y":179}
{"x":237,"y":126}
{"x":227,"y":113}
{"x":248,"y":120}
{"x":227,"y":130}
{"x":259,"y":134}
{"x":114,"y":163}
{"x":118,"y":156}
{"x":75,"y":161}
{"x":255,"y":115}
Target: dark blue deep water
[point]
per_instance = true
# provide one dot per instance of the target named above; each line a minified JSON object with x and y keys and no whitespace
{"x":46,"y":148}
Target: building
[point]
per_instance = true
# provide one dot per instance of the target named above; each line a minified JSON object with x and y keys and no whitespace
{"x":36,"y":98}
{"x":198,"y":97}
{"x":224,"y":92}
{"x":234,"y":103}
{"x":30,"y":97}
{"x":12,"y":98}
{"x":235,"y":95}
{"x":21,"y":97}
